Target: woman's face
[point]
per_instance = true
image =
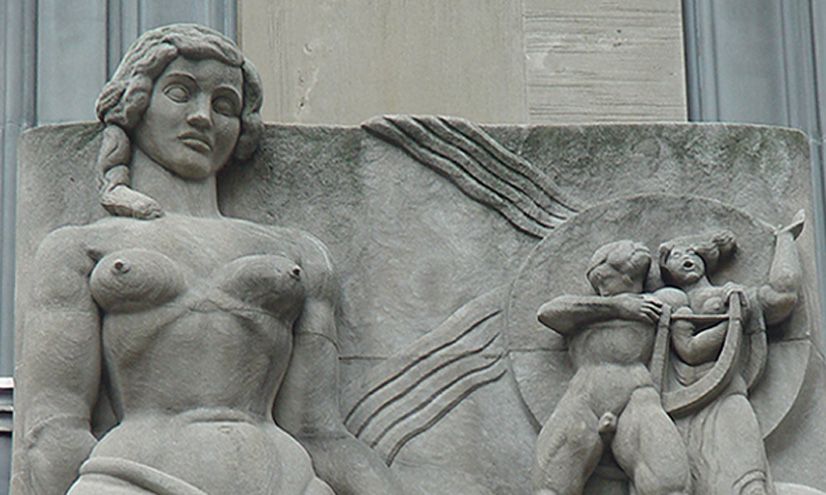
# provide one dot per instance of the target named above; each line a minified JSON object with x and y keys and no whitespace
{"x":193,"y":119}
{"x":684,"y":265}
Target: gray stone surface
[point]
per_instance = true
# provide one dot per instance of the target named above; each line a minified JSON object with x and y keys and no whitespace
{"x":417,"y":260}
{"x":425,"y":247}
{"x":333,"y":62}
{"x":515,"y":61}
{"x":603,"y":61}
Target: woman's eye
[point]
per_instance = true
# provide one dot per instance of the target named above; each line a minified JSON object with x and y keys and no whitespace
{"x":178,"y":93}
{"x":225,"y":106}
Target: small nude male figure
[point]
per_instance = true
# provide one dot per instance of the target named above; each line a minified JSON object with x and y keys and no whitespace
{"x":611,"y":401}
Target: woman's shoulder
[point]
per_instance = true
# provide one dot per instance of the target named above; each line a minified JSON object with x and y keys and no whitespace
{"x":70,"y":248}
{"x":76,"y":236}
{"x":68,"y":238}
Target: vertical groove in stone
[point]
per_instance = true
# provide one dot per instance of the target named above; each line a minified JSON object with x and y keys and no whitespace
{"x":19,"y":69}
{"x":122,"y":29}
{"x":693,"y":98}
{"x":817,"y":18}
{"x":18,"y":60}
{"x":701,"y":60}
{"x":217,"y":14}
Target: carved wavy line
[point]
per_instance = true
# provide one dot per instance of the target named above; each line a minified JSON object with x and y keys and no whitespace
{"x":468,"y":182}
{"x":526,"y":189}
{"x":422,"y":396}
{"x":434,"y":412}
{"x":387,"y":130}
{"x":436,"y":373}
{"x":384,"y":396}
{"x":433,"y":408}
{"x":404,"y":374}
{"x":448,"y":333}
{"x":519,"y":172}
{"x":470,"y":316}
{"x":485,"y":174}
{"x":515,"y":162}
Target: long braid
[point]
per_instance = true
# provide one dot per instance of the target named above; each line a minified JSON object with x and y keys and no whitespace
{"x":115,"y":194}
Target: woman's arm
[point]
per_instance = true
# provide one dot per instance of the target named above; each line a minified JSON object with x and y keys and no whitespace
{"x":307,"y":405}
{"x":58,"y":372}
{"x":693,"y":349}
{"x":696,"y":349}
{"x":779,"y":297}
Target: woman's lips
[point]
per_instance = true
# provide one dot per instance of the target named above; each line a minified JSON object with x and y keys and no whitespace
{"x":196,"y":142}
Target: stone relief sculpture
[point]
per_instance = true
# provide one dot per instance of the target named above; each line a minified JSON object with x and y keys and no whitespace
{"x":721,"y":430}
{"x":197,"y":328}
{"x":166,"y":348}
{"x":611,"y":403}
{"x":718,"y":337}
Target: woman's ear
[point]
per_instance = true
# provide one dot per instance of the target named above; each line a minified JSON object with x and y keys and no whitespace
{"x":663,"y":252}
{"x":653,"y":278}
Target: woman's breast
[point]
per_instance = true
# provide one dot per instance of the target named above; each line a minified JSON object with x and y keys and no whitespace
{"x":710,"y":300}
{"x":134,"y":280}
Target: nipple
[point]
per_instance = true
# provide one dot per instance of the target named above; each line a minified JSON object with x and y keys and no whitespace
{"x":120,"y":266}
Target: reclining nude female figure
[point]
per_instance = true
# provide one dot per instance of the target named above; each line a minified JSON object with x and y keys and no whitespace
{"x":611,"y":402}
{"x":208,"y":334}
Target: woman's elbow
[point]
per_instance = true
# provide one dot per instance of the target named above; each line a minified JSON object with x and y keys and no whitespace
{"x":693,"y":355}
{"x":777,"y":305}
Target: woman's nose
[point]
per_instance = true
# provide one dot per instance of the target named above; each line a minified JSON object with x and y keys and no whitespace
{"x":200,"y":115}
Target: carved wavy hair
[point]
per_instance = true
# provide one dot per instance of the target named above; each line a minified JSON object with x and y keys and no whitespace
{"x":125,"y":98}
{"x":637,"y":261}
{"x":712,"y":248}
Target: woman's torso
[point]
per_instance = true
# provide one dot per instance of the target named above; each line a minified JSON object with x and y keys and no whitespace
{"x":197,"y":317}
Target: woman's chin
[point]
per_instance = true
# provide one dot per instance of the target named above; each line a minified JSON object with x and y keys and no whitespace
{"x":690,"y":279}
{"x":194,"y":170}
